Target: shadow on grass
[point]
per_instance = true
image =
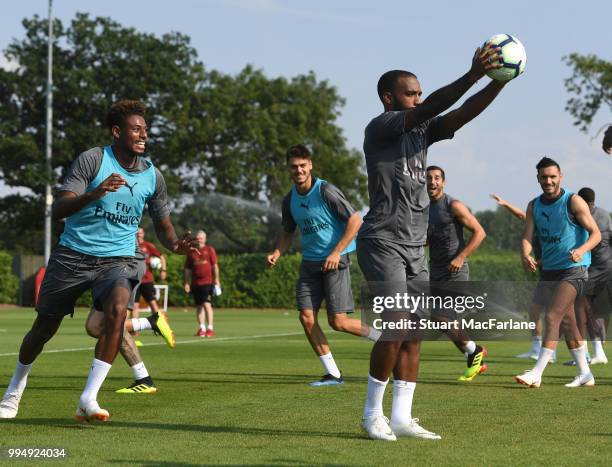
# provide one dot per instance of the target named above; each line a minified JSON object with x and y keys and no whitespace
{"x":236,"y":430}
{"x":272,"y":462}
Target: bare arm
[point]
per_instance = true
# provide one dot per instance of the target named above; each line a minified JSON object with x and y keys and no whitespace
{"x":215,"y":271}
{"x":187,"y":279}
{"x":281,"y":246}
{"x":164,"y":270}
{"x":580,"y":210}
{"x":529,"y":263}
{"x":67,"y":203}
{"x":469,"y":221}
{"x":167,"y":236}
{"x":515,"y":211}
{"x":483,"y":60}
{"x":472,"y":107}
{"x":350,"y":232}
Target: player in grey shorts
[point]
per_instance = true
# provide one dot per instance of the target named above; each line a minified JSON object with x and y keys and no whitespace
{"x":593,"y":307}
{"x":448,"y":254}
{"x":143,"y":383}
{"x":567,"y":233}
{"x":328,"y":225}
{"x":390,"y":244}
{"x":102,"y":199}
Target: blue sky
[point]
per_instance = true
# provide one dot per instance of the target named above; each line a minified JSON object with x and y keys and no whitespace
{"x":350,"y":43}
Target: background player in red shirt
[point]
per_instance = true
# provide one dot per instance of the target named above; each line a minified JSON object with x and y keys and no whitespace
{"x":146,"y":287}
{"x":203,"y":268}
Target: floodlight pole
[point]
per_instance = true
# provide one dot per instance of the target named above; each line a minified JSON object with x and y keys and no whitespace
{"x":48,"y":194}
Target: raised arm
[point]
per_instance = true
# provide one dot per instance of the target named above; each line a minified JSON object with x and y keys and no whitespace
{"x":529,"y":263}
{"x":514,"y":210}
{"x":441,"y":100}
{"x":463,"y":215}
{"x":580,"y":210}
{"x":472,"y":107}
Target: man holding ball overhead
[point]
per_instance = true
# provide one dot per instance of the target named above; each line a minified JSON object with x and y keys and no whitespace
{"x":390,"y":244}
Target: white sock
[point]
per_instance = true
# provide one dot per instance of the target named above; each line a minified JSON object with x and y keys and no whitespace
{"x":141,"y":324}
{"x":543,"y":359}
{"x":401,"y":411}
{"x":139,"y":371}
{"x":210,"y":327}
{"x":203,"y":327}
{"x":97,"y":375}
{"x":374,"y":334}
{"x":329,"y":364}
{"x":536,"y":343}
{"x":374,"y":401}
{"x":469,"y":347}
{"x":598,"y":351}
{"x":579,"y":354}
{"x":19,"y":379}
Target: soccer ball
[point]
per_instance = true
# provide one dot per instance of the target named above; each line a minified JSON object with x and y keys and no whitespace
{"x":155,"y":262}
{"x":513,"y":57}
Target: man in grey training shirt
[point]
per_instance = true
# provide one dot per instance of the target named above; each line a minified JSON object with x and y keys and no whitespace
{"x":390,"y":244}
{"x":448,"y":254}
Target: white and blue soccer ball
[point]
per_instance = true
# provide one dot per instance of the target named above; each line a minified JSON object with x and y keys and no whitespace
{"x":513,"y":58}
{"x":155,"y":263}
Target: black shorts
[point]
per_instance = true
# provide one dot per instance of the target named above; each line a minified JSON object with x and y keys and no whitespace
{"x":147,"y":290}
{"x":202,"y":293}
{"x":70,"y":273}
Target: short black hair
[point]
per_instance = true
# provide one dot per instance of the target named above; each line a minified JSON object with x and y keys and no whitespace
{"x":435,"y":167}
{"x":299,"y":150}
{"x":122,"y":109}
{"x":387,"y":81}
{"x":547,"y":162}
{"x":587,"y":194}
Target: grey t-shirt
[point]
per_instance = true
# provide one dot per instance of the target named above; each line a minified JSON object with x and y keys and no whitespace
{"x":396,"y":160}
{"x":86,"y":166}
{"x":601,"y":255}
{"x":333,"y":197}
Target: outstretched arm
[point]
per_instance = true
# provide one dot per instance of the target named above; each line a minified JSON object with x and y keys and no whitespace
{"x":472,"y":107}
{"x":167,"y":236}
{"x":515,"y":211}
{"x":483,"y":60}
{"x":529,"y":263}
{"x":469,"y":221}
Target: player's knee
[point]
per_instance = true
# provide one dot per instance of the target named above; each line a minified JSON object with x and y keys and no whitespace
{"x":93,"y":328}
{"x":116,"y":315}
{"x":337,"y":323}
{"x":307,"y":319}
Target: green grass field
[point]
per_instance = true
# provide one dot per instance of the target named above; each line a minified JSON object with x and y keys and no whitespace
{"x":242,"y":399}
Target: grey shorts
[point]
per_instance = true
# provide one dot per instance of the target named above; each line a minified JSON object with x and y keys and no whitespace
{"x":549,"y":281}
{"x":70,"y":273}
{"x":314,"y":285}
{"x":383,"y":261}
{"x":599,"y":283}
{"x":141,"y":267}
{"x":442,"y":274}
{"x":392,"y":268}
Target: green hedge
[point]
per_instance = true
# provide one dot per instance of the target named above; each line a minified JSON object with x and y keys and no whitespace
{"x":248,"y":283}
{"x":9,"y":283}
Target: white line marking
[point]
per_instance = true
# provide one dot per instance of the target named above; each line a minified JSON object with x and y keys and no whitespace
{"x":191,"y":341}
